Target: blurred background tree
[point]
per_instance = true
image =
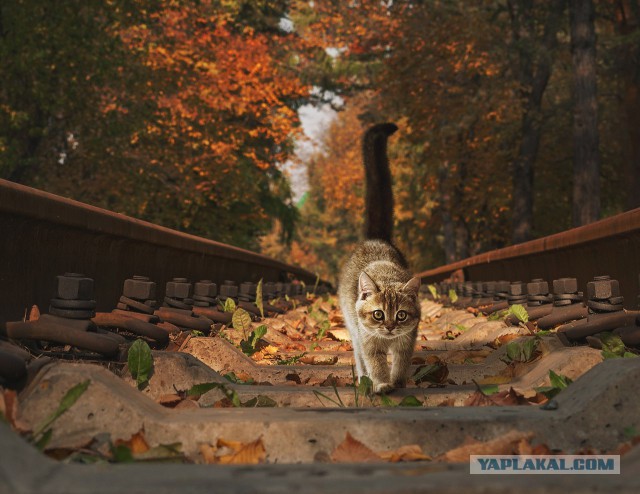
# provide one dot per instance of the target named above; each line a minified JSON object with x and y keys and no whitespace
{"x":183,"y":113}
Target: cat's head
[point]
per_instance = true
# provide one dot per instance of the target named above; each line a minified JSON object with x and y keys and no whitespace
{"x":388,"y":311}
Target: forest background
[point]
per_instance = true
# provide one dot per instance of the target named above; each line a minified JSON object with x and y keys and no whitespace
{"x":518,"y":118}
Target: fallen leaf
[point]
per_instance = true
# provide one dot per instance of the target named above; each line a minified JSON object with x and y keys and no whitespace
{"x":505,"y":445}
{"x":270,"y":349}
{"x":258,"y":356}
{"x":136,"y":443}
{"x":243,"y":454}
{"x":319,"y":360}
{"x":502,"y":398}
{"x":353,"y":451}
{"x":293,"y":377}
{"x":169,"y":400}
{"x":34,"y":313}
{"x":411,"y":452}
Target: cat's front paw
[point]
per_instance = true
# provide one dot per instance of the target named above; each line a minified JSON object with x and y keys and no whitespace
{"x":379,"y":388}
{"x":400,"y":383}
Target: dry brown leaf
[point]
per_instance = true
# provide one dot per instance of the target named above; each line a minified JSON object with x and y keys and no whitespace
{"x":270,"y":349}
{"x":136,"y":443}
{"x":478,"y":399}
{"x":410,"y":452}
{"x":244,"y":454}
{"x":505,"y":445}
{"x":353,"y":451}
{"x":223,"y":403}
{"x":208,"y":453}
{"x":243,"y":376}
{"x":258,"y":356}
{"x":319,"y":360}
{"x":447,"y":403}
{"x":169,"y":400}
{"x":34,"y":313}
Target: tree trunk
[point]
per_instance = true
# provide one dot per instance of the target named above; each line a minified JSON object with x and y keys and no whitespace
{"x":448,"y":230}
{"x":628,"y":23}
{"x":535,"y":61}
{"x":586,"y":155}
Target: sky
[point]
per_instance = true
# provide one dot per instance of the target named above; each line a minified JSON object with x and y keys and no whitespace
{"x":315,"y":120}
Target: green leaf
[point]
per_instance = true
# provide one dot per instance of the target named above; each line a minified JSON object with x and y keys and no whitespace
{"x":195,"y":332}
{"x":433,"y":291}
{"x":121,"y":454}
{"x":68,"y":400}
{"x":229,"y":305}
{"x":259,"y":304}
{"x":460,"y":327}
{"x":256,"y":334}
{"x":241,"y":320}
{"x":140,"y":362}
{"x":44,"y":439}
{"x":513,"y":351}
{"x":489,"y":389}
{"x":197,"y":390}
{"x":322,"y":330}
{"x":519,"y":312}
{"x":410,"y":401}
{"x":558,"y":380}
{"x":528,"y":349}
{"x":453,"y":296}
{"x":387,"y":402}
{"x":629,"y":355}
{"x":260,"y":401}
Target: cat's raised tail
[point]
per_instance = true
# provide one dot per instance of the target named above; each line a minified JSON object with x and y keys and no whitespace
{"x":378,"y":222}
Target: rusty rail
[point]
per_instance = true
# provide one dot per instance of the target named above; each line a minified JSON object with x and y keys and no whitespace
{"x":43,"y":235}
{"x":610,"y":246}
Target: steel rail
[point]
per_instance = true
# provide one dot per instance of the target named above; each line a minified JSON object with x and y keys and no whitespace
{"x":607,"y":247}
{"x":43,"y":235}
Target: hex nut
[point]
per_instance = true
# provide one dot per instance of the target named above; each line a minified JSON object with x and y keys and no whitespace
{"x":565,"y":285}
{"x":178,"y":289}
{"x":73,"y":286}
{"x":228,"y":291}
{"x":517,"y":288}
{"x":603,"y":289}
{"x":139,"y":289}
{"x":248,"y":288}
{"x":502,"y":287}
{"x":205,"y":288}
{"x":538,"y":287}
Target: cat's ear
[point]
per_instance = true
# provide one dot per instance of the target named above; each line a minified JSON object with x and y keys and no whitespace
{"x":413,"y":285}
{"x":366,"y":286}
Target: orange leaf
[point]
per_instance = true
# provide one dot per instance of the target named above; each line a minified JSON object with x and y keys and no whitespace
{"x":351,"y":451}
{"x":507,"y":444}
{"x":410,"y":452}
{"x":245,"y":454}
{"x":136,"y":443}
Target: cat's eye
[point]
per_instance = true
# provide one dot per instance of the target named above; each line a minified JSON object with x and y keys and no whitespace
{"x":401,"y":315}
{"x":378,"y":315}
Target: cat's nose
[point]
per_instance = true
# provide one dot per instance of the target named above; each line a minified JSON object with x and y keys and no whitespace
{"x":389,"y":328}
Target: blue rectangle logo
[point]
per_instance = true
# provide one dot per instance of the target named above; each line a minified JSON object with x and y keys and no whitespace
{"x":545,"y":464}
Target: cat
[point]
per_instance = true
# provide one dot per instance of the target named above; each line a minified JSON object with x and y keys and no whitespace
{"x":377,"y":293}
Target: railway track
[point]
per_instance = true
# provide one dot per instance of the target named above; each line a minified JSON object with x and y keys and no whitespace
{"x":237,"y":377}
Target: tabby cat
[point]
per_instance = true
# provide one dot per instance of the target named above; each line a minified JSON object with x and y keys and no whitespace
{"x":378,"y":295}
